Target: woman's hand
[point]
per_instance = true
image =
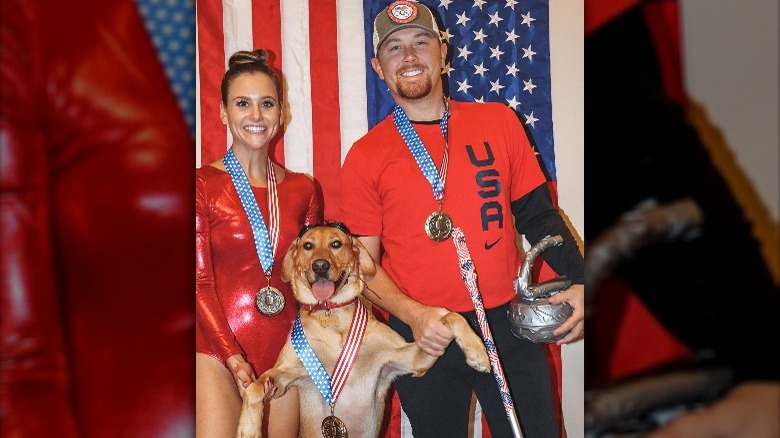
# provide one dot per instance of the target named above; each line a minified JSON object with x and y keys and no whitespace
{"x":241,"y":371}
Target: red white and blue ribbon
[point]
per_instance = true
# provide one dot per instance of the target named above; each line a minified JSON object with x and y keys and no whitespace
{"x":330,"y":388}
{"x":421,"y":155}
{"x":469,"y":275}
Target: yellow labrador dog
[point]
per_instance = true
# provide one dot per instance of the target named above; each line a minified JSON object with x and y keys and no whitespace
{"x":328,"y":270}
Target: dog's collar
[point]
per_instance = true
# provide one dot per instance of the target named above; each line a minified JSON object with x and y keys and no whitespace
{"x":326,"y":305}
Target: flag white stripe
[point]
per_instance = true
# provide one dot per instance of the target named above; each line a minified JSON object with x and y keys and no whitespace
{"x":406,"y":427}
{"x":352,"y":73}
{"x":298,"y":138}
{"x":477,"y":424}
{"x":237,"y":26}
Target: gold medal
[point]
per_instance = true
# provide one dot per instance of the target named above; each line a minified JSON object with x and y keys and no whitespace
{"x":269,"y":301}
{"x":333,"y":427}
{"x":438,"y":226}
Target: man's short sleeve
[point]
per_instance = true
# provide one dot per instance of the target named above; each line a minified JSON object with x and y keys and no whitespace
{"x":360,"y":204}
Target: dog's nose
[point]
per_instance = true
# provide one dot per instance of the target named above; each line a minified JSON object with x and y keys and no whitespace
{"x":320,"y":267}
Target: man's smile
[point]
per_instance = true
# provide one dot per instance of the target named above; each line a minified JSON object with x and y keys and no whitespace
{"x":412,"y":73}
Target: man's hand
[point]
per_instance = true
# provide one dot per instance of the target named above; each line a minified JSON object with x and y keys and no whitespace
{"x":575,"y":296}
{"x":430,"y":333}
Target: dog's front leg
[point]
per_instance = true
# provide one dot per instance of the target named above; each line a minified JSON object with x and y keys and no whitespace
{"x":410,"y":359}
{"x":271,"y":384}
{"x":398,"y":356}
{"x":251,"y":419}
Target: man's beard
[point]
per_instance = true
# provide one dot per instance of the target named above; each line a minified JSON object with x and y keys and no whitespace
{"x":416,"y":90}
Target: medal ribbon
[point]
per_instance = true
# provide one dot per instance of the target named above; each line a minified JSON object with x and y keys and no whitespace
{"x":265,"y":245}
{"x":331,"y":388}
{"x":420,"y":154}
{"x":469,"y":274}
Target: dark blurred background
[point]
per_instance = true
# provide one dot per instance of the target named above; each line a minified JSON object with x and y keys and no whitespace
{"x":96,"y":219}
{"x":677,"y":107}
{"x":681,"y":150}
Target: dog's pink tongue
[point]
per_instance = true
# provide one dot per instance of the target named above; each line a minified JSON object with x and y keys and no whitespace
{"x":323,"y":289}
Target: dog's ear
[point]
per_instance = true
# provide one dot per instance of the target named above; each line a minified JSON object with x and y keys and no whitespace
{"x":288,"y":265}
{"x":366,"y":262}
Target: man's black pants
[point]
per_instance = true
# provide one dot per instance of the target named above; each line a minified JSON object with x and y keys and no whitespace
{"x":437,"y":404}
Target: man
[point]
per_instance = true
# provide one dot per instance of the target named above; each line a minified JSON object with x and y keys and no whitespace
{"x":478,"y":173}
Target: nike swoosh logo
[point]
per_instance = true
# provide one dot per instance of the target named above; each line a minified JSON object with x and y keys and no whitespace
{"x":488,"y":246}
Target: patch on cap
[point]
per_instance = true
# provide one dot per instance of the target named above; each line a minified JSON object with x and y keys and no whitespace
{"x":402,"y":14}
{"x":402,"y":11}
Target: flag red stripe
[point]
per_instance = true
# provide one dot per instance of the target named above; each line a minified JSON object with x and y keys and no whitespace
{"x":485,"y":427}
{"x":267,"y":34}
{"x":326,"y":125}
{"x":663,"y":22}
{"x":599,"y":12}
{"x":211,"y":59}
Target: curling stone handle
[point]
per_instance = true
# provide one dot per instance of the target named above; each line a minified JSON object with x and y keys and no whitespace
{"x":549,"y":288}
{"x":524,"y":274}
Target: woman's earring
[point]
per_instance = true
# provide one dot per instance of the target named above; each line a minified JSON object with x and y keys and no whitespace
{"x":281,"y":122}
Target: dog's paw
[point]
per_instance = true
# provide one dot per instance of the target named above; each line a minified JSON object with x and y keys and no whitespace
{"x":247,"y":432}
{"x":477,"y":358}
{"x":471,"y":344}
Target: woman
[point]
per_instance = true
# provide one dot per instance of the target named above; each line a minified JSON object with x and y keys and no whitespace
{"x":248,"y":212}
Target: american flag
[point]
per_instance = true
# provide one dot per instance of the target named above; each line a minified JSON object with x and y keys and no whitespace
{"x":498,"y":51}
{"x":171,"y":27}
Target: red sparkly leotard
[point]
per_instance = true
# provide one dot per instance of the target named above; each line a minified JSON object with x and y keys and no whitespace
{"x":228,"y":270}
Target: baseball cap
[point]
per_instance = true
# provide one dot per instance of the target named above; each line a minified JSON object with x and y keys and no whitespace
{"x":403,"y":14}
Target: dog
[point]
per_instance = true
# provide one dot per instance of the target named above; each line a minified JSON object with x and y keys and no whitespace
{"x":328,"y":270}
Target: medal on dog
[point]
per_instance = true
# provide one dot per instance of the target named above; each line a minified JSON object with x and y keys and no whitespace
{"x":330,"y":387}
{"x":269,"y":301}
{"x":333,"y":427}
{"x":438,"y":226}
